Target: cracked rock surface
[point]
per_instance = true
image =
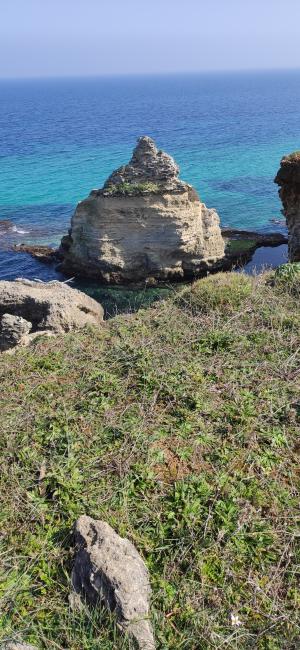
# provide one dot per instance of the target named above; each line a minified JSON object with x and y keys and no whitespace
{"x":13,"y":329}
{"x":108,"y":568}
{"x":52,"y":306}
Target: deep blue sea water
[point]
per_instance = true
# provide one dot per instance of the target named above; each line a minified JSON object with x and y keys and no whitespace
{"x":61,"y":138}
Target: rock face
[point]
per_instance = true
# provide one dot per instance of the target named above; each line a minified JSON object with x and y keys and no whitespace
{"x":50,"y":306}
{"x":288,"y":179}
{"x":109,"y":568}
{"x":12,"y":330}
{"x":145,"y":222}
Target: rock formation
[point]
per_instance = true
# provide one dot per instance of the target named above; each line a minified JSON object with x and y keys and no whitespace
{"x":288,"y":179}
{"x":26,"y":305}
{"x":109,"y":568}
{"x":13,"y":329}
{"x":45,"y":254}
{"x":145,"y":222}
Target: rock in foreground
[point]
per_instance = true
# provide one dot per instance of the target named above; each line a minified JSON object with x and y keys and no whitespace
{"x":13,"y":329}
{"x":145,"y":222}
{"x":288,"y":179}
{"x":109,"y":568}
{"x":50,"y":306}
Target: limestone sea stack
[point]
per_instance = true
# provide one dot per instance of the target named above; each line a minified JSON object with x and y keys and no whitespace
{"x":144,"y":223}
{"x":288,"y":179}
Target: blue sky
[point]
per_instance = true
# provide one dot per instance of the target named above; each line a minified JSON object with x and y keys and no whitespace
{"x":90,"y":37}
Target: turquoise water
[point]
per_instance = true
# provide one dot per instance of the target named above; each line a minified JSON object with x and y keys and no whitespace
{"x":61,"y":138}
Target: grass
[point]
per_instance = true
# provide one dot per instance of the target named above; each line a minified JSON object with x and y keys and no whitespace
{"x":179,"y":425}
{"x":132,"y":189}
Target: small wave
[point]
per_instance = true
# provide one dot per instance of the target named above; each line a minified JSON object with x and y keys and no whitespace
{"x":19,"y":231}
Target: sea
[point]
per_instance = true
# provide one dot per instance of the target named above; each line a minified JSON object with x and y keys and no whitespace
{"x":61,"y":138}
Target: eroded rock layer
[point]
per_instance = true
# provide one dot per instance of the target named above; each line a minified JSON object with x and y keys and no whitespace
{"x":145,"y":222}
{"x":288,"y":179}
{"x":50,"y":306}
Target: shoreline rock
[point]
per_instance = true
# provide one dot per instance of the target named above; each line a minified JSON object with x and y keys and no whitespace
{"x":44,"y":254}
{"x":144,"y":222}
{"x":242,"y":244}
{"x":260,"y":239}
{"x":13,"y":330}
{"x":28,"y":308}
{"x":6,"y":226}
{"x":288,"y":179}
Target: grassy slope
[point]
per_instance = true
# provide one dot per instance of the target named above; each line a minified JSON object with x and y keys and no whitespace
{"x":178,"y":426}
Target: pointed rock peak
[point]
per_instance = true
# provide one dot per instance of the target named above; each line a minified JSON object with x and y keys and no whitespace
{"x":147,"y":165}
{"x":289,"y":171}
{"x":145,"y":147}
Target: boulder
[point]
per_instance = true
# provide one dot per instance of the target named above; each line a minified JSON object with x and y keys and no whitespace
{"x":144,"y":222}
{"x":108,"y":568}
{"x":12,"y":330}
{"x":50,"y":306}
{"x":288,"y":179}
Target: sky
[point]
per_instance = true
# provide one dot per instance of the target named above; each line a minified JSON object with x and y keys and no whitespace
{"x":41,"y":38}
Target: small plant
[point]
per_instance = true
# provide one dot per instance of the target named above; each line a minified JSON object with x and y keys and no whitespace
{"x":287,"y":278}
{"x":288,"y":272}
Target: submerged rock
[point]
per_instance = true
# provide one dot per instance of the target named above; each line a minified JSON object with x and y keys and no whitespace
{"x":44,"y":254}
{"x":6,"y":226}
{"x":108,"y":568}
{"x":288,"y":179}
{"x":240,"y":245}
{"x":50,"y":306}
{"x":145,"y":222}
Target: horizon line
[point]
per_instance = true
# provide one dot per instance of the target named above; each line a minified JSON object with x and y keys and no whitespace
{"x":173,"y":73}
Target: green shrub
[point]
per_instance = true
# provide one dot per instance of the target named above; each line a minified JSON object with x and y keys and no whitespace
{"x":132,"y":189}
{"x":287,"y":277}
{"x":223,"y":292}
{"x":288,"y":272}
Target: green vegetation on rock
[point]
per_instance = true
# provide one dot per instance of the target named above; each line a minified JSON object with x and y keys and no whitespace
{"x":131,"y":189}
{"x":179,"y":426}
{"x":240,"y":246}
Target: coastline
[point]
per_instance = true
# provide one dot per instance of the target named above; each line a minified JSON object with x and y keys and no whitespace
{"x":251,"y":253}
